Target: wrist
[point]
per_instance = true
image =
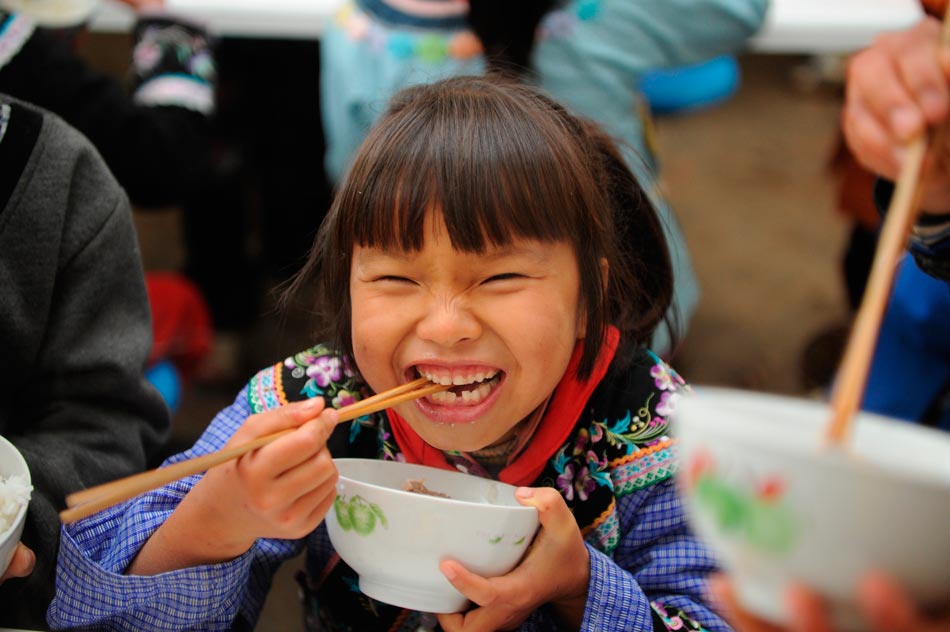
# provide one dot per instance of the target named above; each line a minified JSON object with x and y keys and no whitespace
{"x":569,"y":607}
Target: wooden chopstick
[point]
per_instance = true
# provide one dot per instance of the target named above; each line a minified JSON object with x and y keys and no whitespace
{"x":88,"y":501}
{"x":856,"y":364}
{"x":852,"y":377}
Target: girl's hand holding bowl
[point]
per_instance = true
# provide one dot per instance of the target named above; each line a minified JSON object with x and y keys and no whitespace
{"x":556,"y":570}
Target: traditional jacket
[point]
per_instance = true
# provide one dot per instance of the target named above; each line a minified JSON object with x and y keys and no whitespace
{"x":610,"y":458}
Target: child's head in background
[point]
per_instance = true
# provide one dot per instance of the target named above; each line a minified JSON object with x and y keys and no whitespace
{"x":480,"y":234}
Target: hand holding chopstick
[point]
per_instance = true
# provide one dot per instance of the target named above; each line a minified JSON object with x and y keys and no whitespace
{"x":88,"y":501}
{"x":852,"y":376}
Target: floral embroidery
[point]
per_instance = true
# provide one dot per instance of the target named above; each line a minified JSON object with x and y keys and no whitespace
{"x":388,"y":448}
{"x":675,"y":618}
{"x":667,"y":379}
{"x":327,"y":374}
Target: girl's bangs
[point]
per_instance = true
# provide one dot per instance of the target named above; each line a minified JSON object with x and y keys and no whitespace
{"x":490,"y":186}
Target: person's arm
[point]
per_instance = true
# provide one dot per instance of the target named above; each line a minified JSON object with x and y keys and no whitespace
{"x":74,"y":319}
{"x":657,"y":574}
{"x":155,"y":140}
{"x":94,"y":587}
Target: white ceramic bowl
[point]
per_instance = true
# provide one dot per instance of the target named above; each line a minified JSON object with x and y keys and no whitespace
{"x":777,"y":505}
{"x":395,"y":539}
{"x":12,"y":463}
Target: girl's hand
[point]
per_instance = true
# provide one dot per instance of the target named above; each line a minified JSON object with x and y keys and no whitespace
{"x":883,"y":603}
{"x":556,"y":570}
{"x":895,"y":90}
{"x":21,"y":564}
{"x":282,"y":490}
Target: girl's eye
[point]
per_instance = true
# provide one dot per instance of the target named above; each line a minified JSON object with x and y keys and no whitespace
{"x":508,"y":276}
{"x":393,"y":279}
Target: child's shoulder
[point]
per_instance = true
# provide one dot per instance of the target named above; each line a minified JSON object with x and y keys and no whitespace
{"x":318,"y":371}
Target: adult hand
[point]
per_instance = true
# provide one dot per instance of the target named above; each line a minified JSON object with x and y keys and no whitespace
{"x":556,"y":570}
{"x":896,"y":89}
{"x":884,"y":605}
{"x":21,"y":564}
{"x":888,"y":608}
{"x":808,"y":612}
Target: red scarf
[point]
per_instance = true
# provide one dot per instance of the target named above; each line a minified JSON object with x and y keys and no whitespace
{"x":569,"y":398}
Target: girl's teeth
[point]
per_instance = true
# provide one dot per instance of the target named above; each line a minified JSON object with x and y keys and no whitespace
{"x":447,"y":379}
{"x":472,"y":396}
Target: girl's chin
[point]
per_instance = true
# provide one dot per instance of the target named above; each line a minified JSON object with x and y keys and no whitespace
{"x":449,"y":437}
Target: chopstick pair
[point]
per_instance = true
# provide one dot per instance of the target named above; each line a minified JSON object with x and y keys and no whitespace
{"x":88,"y":501}
{"x":852,"y":377}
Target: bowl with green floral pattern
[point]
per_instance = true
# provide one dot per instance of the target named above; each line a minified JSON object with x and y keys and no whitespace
{"x":394,"y":522}
{"x":778,"y":505}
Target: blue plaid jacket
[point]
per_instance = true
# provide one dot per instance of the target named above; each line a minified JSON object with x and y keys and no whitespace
{"x":657,"y":561}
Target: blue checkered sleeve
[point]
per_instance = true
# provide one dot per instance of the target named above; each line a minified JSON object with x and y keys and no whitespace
{"x":658,"y":561}
{"x":93,"y":592}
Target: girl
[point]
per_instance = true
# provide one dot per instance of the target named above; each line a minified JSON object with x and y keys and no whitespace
{"x":485,"y":238}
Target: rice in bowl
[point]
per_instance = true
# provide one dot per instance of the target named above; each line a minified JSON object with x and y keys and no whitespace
{"x":14,"y":494}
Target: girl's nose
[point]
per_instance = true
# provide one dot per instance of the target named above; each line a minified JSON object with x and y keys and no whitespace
{"x":448,"y":323}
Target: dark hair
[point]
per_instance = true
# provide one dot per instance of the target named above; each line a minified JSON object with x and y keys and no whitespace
{"x":499,"y":161}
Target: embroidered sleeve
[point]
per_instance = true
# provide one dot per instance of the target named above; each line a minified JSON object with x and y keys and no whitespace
{"x":172,"y":64}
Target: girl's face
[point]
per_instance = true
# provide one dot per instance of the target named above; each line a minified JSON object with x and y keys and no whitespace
{"x":500,"y":325}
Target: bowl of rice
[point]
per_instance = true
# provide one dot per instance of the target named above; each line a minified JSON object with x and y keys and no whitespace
{"x":15,"y":488}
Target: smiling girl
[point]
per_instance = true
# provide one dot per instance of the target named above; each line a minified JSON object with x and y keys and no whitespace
{"x":483,"y":238}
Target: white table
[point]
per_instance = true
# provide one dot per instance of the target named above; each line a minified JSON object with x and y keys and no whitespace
{"x":791,"y":26}
{"x":831,"y":26}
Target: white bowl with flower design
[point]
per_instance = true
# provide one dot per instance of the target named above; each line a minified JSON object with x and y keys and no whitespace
{"x":778,"y":505}
{"x":395,"y":539}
